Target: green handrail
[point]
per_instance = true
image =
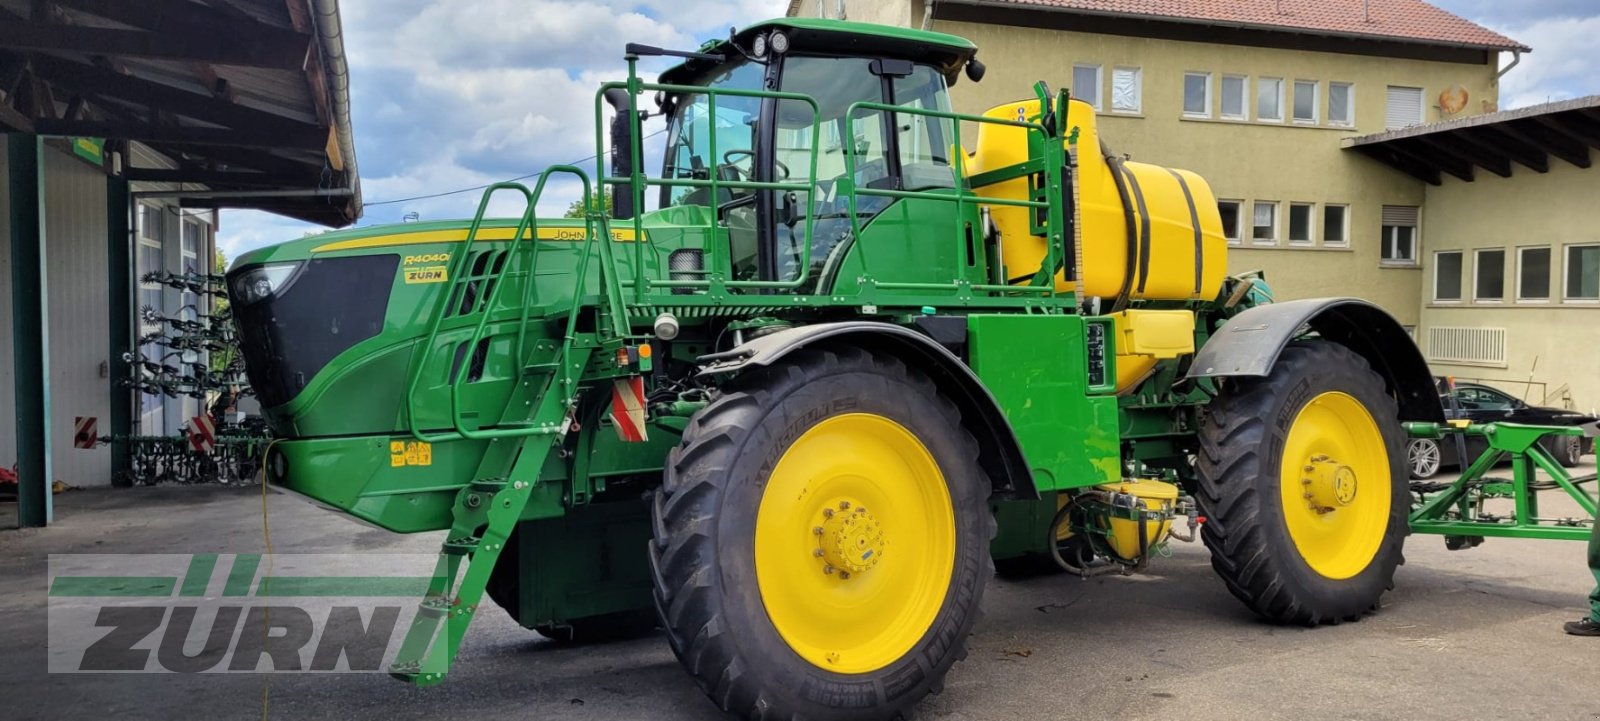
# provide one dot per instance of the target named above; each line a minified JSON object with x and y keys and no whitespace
{"x":527,"y":233}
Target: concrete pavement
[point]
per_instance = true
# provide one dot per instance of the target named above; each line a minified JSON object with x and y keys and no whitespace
{"x":1466,"y":635}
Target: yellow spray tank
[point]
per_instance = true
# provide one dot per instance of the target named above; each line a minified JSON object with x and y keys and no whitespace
{"x":1177,"y":244}
{"x":1146,"y":232}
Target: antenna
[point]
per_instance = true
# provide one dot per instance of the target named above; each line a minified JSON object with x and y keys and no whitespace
{"x":1366,"y":10}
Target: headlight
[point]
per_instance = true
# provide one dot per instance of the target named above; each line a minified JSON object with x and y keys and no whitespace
{"x":261,"y":282}
{"x":758,"y":47}
{"x":779,"y":43}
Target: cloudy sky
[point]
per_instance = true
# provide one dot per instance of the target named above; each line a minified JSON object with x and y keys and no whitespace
{"x":450,"y":94}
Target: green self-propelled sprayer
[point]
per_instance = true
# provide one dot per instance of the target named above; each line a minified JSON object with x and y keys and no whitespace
{"x":827,"y":359}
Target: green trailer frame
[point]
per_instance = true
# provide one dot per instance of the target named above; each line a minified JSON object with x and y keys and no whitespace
{"x":1458,"y":510}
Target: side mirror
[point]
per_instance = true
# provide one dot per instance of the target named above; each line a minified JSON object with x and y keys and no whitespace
{"x":976,"y":70}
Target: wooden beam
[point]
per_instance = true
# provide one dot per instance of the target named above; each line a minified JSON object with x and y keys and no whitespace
{"x":148,"y":93}
{"x":1389,"y":156}
{"x":220,"y":47}
{"x":1556,"y":144}
{"x":1517,"y":150}
{"x":1574,"y":126}
{"x":1483,"y":157}
{"x":236,"y":158}
{"x":1428,"y":156}
{"x":221,"y":177}
{"x":153,"y":133}
{"x":12,"y":121}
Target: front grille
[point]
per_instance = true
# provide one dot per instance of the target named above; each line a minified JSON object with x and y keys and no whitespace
{"x":327,"y":307}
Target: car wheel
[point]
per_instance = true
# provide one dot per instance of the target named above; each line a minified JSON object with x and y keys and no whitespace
{"x":1423,"y":458}
{"x":1569,"y":450}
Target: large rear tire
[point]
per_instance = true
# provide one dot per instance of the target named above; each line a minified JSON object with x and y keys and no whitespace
{"x":821,"y":540}
{"x":1303,"y":479}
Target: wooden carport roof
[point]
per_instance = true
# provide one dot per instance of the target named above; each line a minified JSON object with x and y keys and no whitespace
{"x":1531,"y":137}
{"x":248,"y":97}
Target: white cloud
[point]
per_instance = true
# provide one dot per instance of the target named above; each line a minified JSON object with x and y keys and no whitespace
{"x":450,"y":94}
{"x":1563,"y":63}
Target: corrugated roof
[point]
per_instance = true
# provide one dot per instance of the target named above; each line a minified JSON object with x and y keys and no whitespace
{"x":1403,"y":20}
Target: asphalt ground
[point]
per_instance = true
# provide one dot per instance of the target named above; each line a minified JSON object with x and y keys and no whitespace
{"x":1472,"y":634}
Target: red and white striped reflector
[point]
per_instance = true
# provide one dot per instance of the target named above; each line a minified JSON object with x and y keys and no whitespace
{"x":627,"y":409}
{"x":203,"y":434}
{"x":84,"y":433}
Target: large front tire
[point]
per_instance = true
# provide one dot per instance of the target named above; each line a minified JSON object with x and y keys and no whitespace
{"x":1303,"y":478}
{"x":821,"y":540}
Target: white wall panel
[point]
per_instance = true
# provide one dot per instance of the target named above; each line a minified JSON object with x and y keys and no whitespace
{"x":75,"y":232}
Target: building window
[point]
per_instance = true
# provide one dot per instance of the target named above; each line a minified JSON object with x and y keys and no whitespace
{"x":1197,"y":95}
{"x":1583,"y":272}
{"x":1341,"y":104}
{"x":1305,"y":101}
{"x":1300,"y":223}
{"x":1233,"y":97}
{"x":1269,"y":99}
{"x":1404,"y":108}
{"x":1399,"y":235}
{"x":1533,"y":274}
{"x":1489,"y":275}
{"x":1126,"y":91}
{"x":1336,"y":225}
{"x":1086,"y":85}
{"x":1447,"y":276}
{"x":1230,"y":219}
{"x":1264,"y":228}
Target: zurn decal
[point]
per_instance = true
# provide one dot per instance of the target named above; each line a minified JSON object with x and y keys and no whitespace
{"x":424,"y":269}
{"x":244,"y":613}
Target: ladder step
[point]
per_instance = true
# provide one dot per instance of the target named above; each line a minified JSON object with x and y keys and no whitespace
{"x":533,"y":369}
{"x":460,"y":546}
{"x":488,"y":485}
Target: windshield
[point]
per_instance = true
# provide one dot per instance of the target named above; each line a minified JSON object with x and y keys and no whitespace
{"x":690,"y":129}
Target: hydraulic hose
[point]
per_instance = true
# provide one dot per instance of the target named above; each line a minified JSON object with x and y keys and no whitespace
{"x":1119,"y":178}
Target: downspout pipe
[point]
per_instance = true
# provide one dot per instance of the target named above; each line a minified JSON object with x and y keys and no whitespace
{"x":330,"y":42}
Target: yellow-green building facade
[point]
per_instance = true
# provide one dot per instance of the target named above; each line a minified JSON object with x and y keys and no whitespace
{"x":1263,"y":110}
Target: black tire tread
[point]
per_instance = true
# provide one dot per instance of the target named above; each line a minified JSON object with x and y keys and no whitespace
{"x":1231,"y":441}
{"x":684,"y":513}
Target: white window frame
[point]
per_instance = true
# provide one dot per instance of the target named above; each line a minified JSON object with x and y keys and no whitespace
{"x":1244,"y":98}
{"x":1461,"y":281}
{"x":1238,"y":221}
{"x":1277,"y":222}
{"x":1138,"y":84}
{"x":1344,"y":242}
{"x":1316,"y":104}
{"x":1257,"y":98}
{"x":1566,"y":260}
{"x":1207,"y":113}
{"x":1477,"y":266}
{"x":1549,"y":268}
{"x":1098,"y":102}
{"x":1416,"y":242}
{"x":1311,"y":224}
{"x":1350,"y":104}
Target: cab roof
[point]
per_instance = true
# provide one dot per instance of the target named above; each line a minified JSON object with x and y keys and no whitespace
{"x":946,"y":52}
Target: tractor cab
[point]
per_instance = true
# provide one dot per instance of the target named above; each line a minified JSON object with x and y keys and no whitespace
{"x":847,"y":70}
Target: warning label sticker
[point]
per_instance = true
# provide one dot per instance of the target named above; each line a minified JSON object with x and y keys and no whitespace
{"x":428,"y":274}
{"x":410,"y":453}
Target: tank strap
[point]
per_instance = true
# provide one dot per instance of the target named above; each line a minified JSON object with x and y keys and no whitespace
{"x":1194,"y":222}
{"x":1144,"y":226}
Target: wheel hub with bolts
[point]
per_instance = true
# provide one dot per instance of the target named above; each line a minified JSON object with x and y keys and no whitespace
{"x":1329,"y":484}
{"x":850,"y":539}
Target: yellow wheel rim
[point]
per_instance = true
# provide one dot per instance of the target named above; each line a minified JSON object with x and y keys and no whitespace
{"x":1336,"y":485}
{"x":855,"y":543}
